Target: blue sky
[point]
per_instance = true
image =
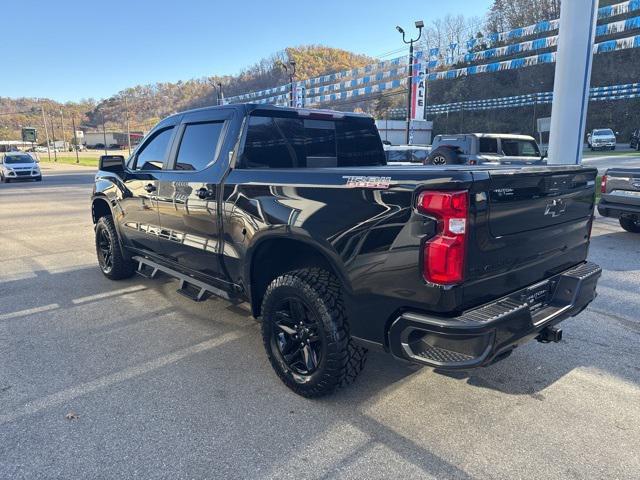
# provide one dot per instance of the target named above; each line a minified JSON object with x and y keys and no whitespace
{"x":72,"y":49}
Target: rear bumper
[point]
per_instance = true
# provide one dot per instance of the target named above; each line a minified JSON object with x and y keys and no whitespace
{"x":479,"y":336}
{"x":615,"y":210}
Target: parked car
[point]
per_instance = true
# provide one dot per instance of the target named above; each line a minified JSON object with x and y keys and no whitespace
{"x":601,"y":139}
{"x":620,"y":197}
{"x":296,"y":212}
{"x":634,"y":142}
{"x":406,"y":154}
{"x":485,"y":149}
{"x":19,"y":166}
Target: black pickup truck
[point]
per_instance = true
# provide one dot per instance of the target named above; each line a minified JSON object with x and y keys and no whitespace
{"x":296,"y":213}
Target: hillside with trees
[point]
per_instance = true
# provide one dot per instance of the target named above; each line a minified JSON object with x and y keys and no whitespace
{"x":146,"y":104}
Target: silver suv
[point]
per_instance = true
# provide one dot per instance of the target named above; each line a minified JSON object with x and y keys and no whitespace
{"x":19,"y":166}
{"x":485,"y":148}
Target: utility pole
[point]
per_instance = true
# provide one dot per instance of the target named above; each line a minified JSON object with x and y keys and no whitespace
{"x":53,"y":137}
{"x":126,"y":111}
{"x":46,"y":132}
{"x":220,"y":94}
{"x":64,"y":140}
{"x":104,"y":135}
{"x":419,"y":25}
{"x":75,"y":138}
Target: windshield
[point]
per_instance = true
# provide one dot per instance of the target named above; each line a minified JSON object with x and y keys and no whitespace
{"x":13,"y":159}
{"x":605,"y":132}
{"x":520,"y":148}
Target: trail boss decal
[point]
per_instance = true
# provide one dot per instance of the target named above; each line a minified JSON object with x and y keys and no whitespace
{"x":367,"y":182}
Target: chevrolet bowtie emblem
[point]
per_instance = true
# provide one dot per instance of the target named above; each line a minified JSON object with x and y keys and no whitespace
{"x":556,"y":208}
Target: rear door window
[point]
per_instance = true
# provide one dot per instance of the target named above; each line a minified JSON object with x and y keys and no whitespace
{"x":488,"y":145}
{"x":519,"y":148}
{"x":199,"y":145}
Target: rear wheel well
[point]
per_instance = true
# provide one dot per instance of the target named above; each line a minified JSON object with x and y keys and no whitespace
{"x":278,"y":256}
{"x":99,"y":208}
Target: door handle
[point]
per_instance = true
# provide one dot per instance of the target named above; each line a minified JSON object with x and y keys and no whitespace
{"x":150,"y":187}
{"x":204,"y":193}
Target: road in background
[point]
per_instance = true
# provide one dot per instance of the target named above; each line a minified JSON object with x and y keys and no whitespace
{"x":162,"y":387}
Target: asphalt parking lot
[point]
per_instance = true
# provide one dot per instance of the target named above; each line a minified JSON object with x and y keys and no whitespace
{"x":132,"y":380}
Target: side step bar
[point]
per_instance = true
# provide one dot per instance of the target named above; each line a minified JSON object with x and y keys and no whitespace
{"x":189,"y":287}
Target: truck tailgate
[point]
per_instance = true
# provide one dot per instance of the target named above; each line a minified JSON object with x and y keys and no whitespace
{"x":528,"y":225}
{"x":623,"y":186}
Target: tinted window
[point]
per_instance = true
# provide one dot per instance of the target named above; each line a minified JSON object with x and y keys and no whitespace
{"x":152,"y":155}
{"x":292,"y":142}
{"x":398,"y":155}
{"x":198,"y":145}
{"x":520,"y":148}
{"x":488,"y":145}
{"x":419,"y":156}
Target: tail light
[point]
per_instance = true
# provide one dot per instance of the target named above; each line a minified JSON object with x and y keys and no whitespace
{"x":603,"y":184}
{"x":444,"y":254}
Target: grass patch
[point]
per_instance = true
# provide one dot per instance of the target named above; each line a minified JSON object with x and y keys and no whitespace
{"x":611,"y":153}
{"x":70,"y":158}
{"x":598,"y":183}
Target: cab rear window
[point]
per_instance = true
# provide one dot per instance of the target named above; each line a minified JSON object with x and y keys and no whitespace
{"x":289,"y":141}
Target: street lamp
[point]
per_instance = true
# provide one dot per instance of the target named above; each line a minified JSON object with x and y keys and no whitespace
{"x":220,"y":94}
{"x":419,"y":25}
{"x":290,"y":68}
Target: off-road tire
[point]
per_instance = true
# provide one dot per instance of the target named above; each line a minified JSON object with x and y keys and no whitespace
{"x":341,"y":359}
{"x":121,"y":265}
{"x":630,"y":224}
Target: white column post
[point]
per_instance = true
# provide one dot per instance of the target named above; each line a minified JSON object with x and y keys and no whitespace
{"x":572,"y":80}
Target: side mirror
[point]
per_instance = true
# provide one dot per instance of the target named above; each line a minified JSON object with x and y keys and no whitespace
{"x":111,"y":163}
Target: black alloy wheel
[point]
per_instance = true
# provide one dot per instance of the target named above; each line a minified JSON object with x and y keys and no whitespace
{"x":296,"y":338}
{"x":114,"y":262}
{"x":105,"y":250}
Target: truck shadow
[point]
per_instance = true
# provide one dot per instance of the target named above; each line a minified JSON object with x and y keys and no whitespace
{"x":534,"y":367}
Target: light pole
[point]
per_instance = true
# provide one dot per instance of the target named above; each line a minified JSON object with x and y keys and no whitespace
{"x":126,"y":112}
{"x":290,"y":68}
{"x":46,"y":131}
{"x":419,"y":25}
{"x":64,"y":139}
{"x":220,"y":95}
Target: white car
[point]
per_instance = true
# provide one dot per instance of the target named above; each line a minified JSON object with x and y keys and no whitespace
{"x":601,"y":139}
{"x":19,"y":166}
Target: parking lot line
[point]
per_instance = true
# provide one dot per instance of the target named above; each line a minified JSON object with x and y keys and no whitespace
{"x":112,"y":293}
{"x":29,"y":311}
{"x":69,"y":394}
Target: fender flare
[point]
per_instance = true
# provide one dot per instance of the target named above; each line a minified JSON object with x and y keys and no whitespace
{"x":286,"y":232}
